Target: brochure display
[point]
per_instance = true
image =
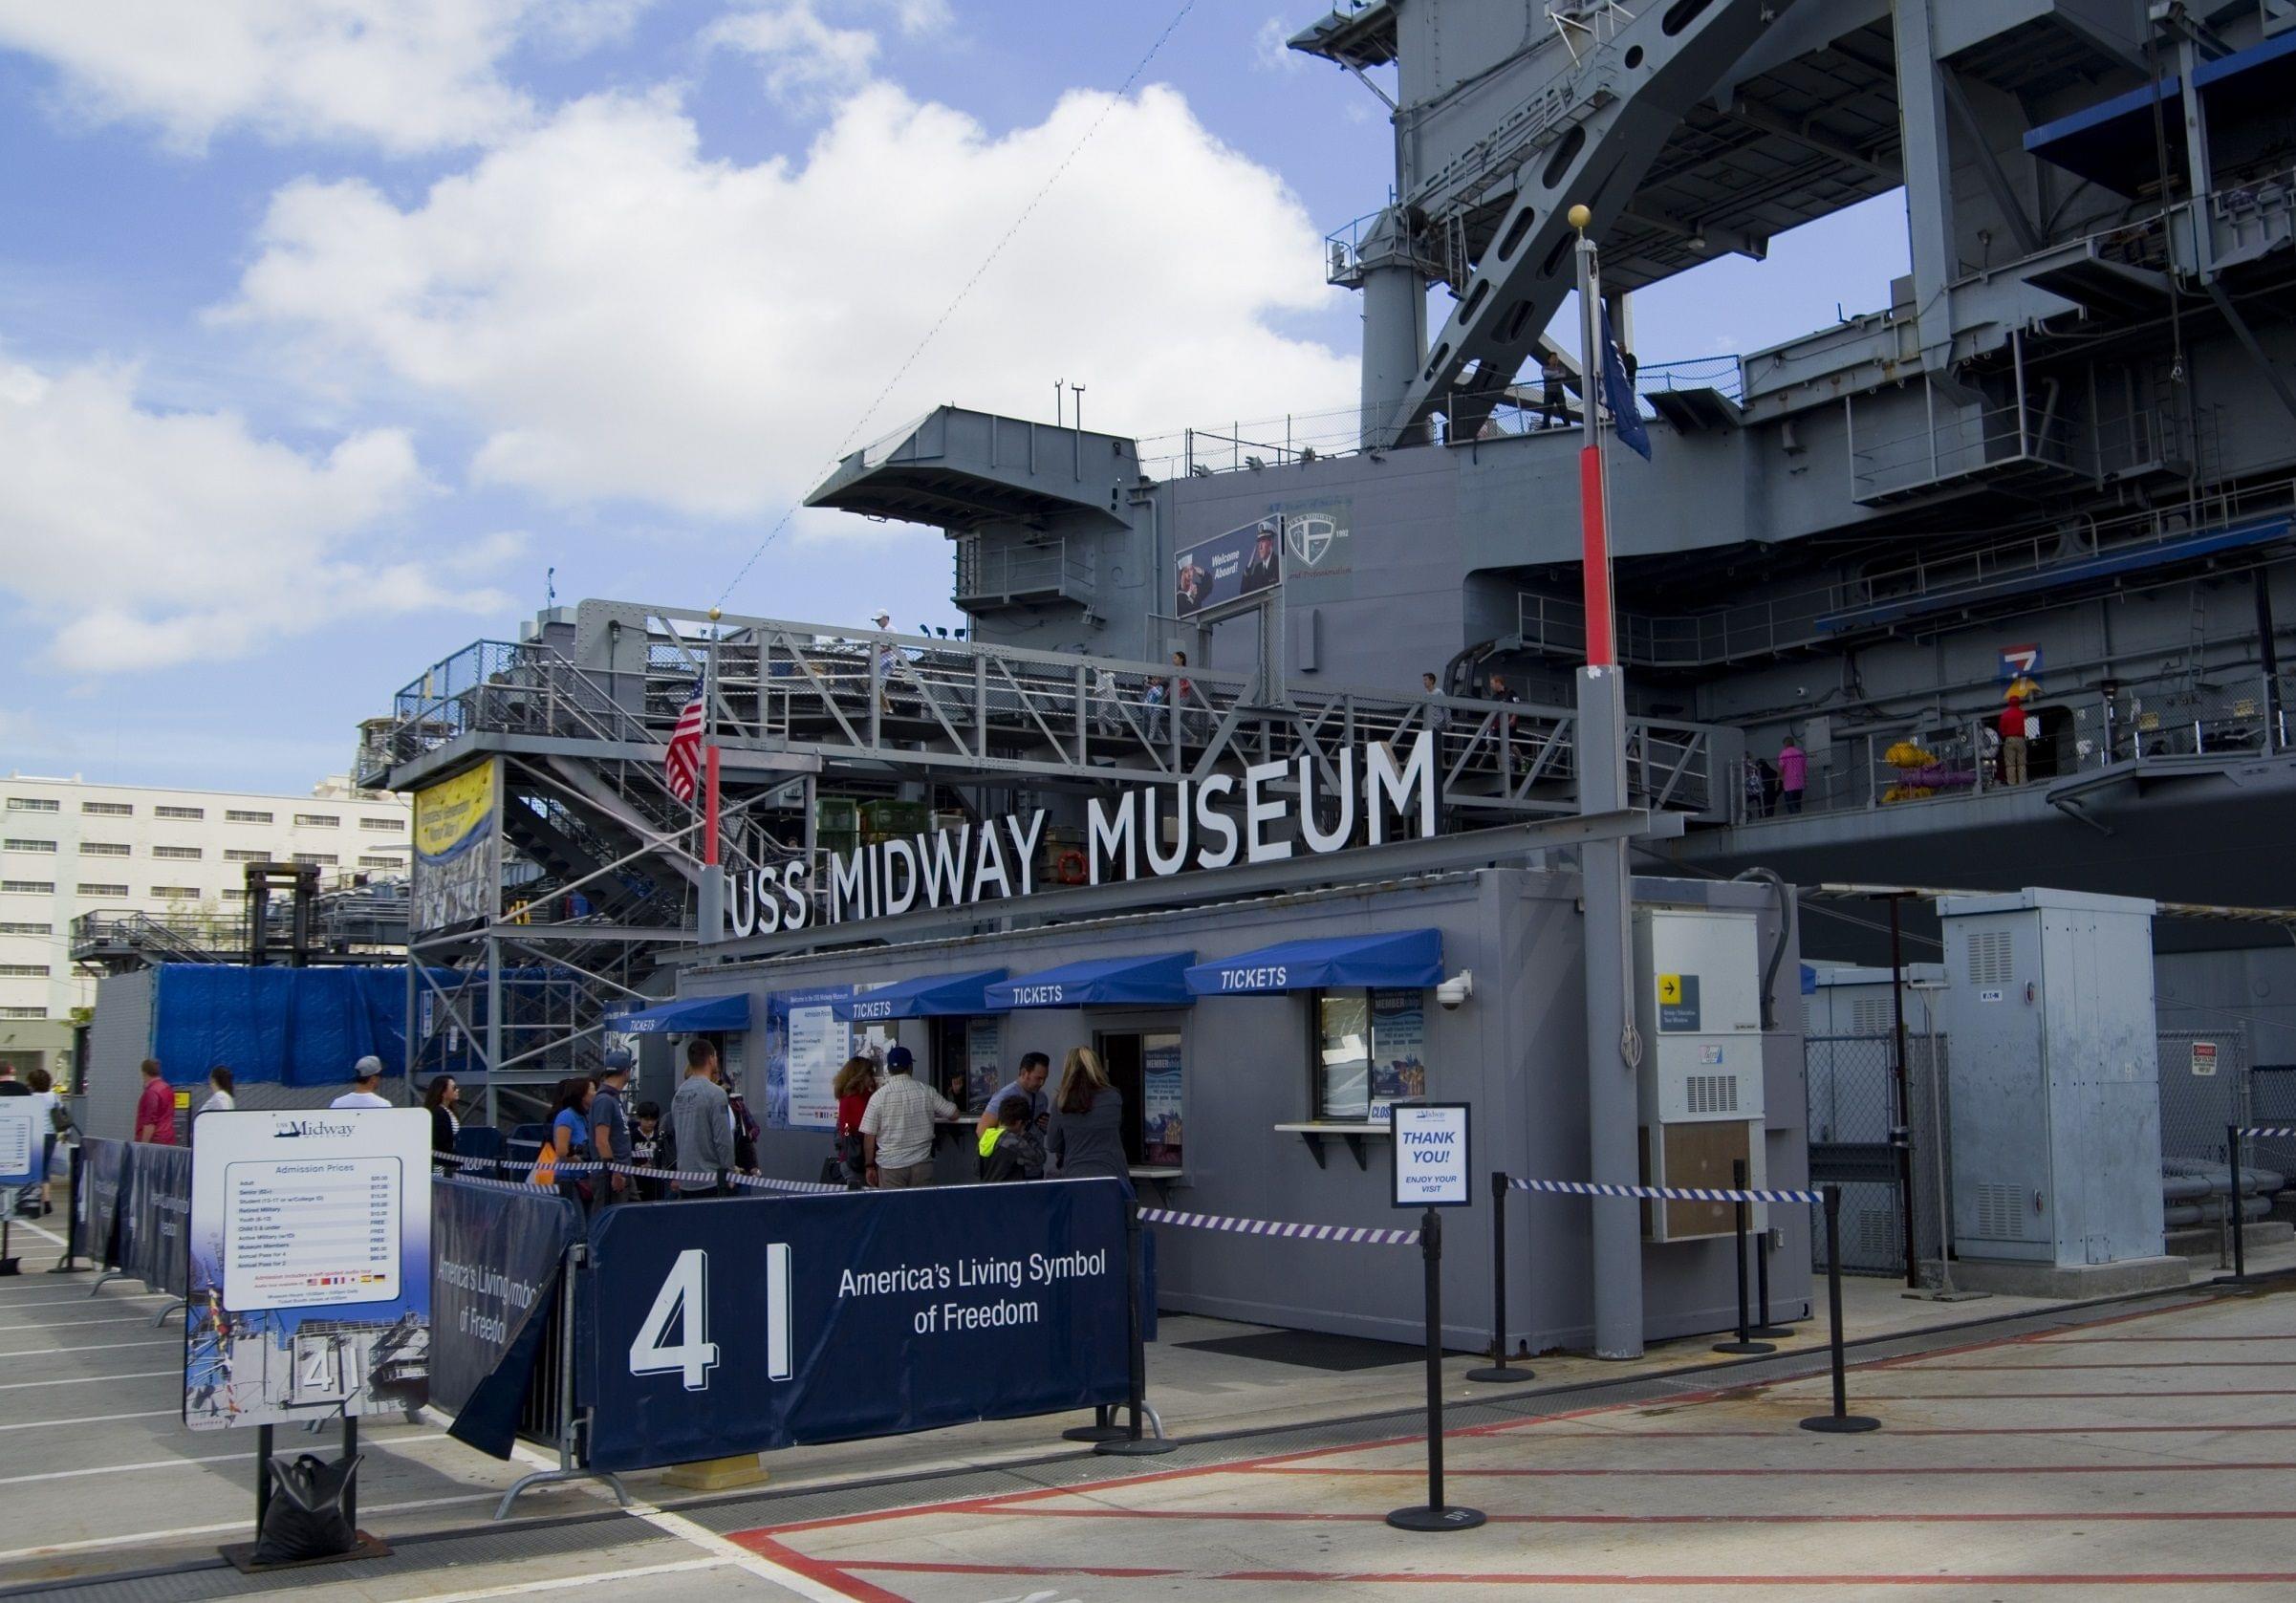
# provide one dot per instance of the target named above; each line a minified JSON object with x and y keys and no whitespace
{"x":310,"y":1272}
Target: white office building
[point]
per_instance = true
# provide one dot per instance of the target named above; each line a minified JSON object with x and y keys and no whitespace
{"x":70,"y":848}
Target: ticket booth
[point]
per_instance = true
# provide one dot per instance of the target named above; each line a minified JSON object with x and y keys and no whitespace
{"x":959,"y":1040}
{"x":1131,"y":1013}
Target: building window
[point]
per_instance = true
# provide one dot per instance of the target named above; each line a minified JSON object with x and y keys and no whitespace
{"x":30,"y":887}
{"x":32,"y":846}
{"x":103,"y":848}
{"x":24,"y":970}
{"x":178,"y":853}
{"x":382,"y":862}
{"x":1370,"y":1052}
{"x":194,"y":814}
{"x":231,"y":896}
{"x":393,"y":824}
{"x":108,"y":809}
{"x":33,"y":804}
{"x":88,"y":888}
{"x":174,"y":892}
{"x":324,"y":859}
{"x":27,"y":929}
{"x":243,"y":854}
{"x":23,"y":1012}
{"x":317,"y":820}
{"x":245,"y":816}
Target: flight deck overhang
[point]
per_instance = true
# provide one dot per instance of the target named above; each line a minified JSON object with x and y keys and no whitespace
{"x":958,"y":469}
{"x":2120,"y":143}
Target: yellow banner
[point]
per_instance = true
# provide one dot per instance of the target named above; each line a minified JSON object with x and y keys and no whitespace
{"x":448,"y":812}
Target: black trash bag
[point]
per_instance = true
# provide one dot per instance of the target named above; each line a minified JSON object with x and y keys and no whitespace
{"x":310,"y":1514}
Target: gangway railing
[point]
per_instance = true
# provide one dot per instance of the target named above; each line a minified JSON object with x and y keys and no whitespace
{"x":925,"y":706}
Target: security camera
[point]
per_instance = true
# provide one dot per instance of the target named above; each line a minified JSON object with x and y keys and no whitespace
{"x":1455,"y":990}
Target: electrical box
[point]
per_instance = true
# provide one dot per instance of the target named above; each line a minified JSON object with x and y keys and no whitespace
{"x":1698,"y":977}
{"x":2055,"y":1076}
{"x":1859,"y":1001}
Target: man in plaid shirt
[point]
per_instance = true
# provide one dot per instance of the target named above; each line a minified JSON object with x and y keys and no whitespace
{"x":897,"y":1128}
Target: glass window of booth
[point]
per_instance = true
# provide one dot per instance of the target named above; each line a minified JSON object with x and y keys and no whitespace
{"x":1367,"y":1051}
{"x":967,"y":1056}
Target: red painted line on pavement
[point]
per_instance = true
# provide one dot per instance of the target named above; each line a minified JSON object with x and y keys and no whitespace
{"x":1453,"y":1472}
{"x":816,"y":1570}
{"x":2083,"y":1341}
{"x":1485,"y":1578}
{"x":1913,"y":1430}
{"x":1282,"y":1516}
{"x":2063,"y":1396}
{"x":2133,"y":1363}
{"x":928,"y":1567}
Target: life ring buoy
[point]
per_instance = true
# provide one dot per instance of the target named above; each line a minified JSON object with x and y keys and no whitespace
{"x":1068,"y":867}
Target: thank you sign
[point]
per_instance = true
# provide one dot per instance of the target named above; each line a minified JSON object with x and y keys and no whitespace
{"x":1430,"y":1154}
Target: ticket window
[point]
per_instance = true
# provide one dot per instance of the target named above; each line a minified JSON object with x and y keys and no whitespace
{"x":1367,"y":1051}
{"x":1146,"y":1066}
{"x":967,"y":1059}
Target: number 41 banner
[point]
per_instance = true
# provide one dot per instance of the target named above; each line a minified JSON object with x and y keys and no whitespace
{"x":753,"y":1323}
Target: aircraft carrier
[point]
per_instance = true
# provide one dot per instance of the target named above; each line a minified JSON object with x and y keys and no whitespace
{"x":2059,"y":455}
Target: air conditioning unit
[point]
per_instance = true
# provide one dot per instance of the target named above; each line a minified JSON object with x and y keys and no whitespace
{"x":1698,"y":974}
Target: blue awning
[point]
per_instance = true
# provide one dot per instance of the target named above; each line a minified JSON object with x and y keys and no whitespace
{"x":1411,"y":960}
{"x":1158,"y":981}
{"x":687,"y":1016}
{"x":932,"y":996}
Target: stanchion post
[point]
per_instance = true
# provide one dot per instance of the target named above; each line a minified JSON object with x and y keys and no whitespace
{"x":1497,"y":1372}
{"x":1133,"y":1442}
{"x":1763,"y":1328}
{"x":1436,"y":1515}
{"x":74,"y":1223}
{"x":350,"y":1480}
{"x":1841,"y":1421}
{"x":1745,"y":1342}
{"x":263,"y":1477}
{"x":2240,"y":1214}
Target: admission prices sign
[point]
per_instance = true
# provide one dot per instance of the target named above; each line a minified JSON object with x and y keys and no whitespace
{"x":310,"y":1290}
{"x":1429,"y":1150}
{"x":20,"y":1117}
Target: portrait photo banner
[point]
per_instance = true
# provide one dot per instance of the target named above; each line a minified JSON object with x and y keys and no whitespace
{"x":1216,"y":573}
{"x":746,"y":1324}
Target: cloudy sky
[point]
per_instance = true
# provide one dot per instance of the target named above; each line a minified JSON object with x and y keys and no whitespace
{"x":328,"y":327}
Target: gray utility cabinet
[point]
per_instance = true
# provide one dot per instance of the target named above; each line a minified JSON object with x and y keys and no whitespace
{"x":2056,"y":1094}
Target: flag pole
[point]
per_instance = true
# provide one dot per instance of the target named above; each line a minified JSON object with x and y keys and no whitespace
{"x":710,"y":895}
{"x":1606,"y":890}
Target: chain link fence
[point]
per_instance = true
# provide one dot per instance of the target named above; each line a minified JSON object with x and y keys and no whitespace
{"x":2203,"y":1089}
{"x":1855,"y":1119}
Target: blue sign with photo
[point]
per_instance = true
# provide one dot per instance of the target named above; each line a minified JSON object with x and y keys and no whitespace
{"x":1228,"y":568}
{"x":750,"y":1323}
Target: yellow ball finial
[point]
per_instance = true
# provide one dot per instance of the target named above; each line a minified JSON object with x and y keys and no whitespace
{"x":1579,"y":217}
{"x":714,"y":614}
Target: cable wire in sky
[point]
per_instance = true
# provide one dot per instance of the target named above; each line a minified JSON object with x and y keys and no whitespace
{"x":986,"y":262}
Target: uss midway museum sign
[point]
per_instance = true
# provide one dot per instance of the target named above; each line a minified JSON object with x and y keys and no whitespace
{"x":1267,"y":814}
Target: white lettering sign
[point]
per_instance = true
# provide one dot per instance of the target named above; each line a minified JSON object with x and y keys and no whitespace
{"x":1431,"y":1155}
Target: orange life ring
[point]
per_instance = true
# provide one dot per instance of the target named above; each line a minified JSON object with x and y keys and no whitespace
{"x":1070,"y":867}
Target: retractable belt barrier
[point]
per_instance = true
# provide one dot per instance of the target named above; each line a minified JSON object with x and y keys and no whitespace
{"x":573,"y":1168}
{"x":1740,"y":1196}
{"x":2236,"y":1219}
{"x":1360,"y":1235}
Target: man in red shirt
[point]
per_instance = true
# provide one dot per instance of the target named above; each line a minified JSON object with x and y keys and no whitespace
{"x":2013,"y":732}
{"x":155,"y":1109}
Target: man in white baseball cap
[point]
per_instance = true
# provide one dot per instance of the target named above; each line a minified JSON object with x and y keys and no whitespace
{"x":881,"y":661}
{"x":365,"y":1075}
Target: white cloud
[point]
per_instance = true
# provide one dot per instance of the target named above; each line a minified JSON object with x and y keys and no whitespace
{"x":147,"y":538}
{"x":624,"y":317}
{"x":803,"y":58}
{"x":403,"y":75}
{"x":1270,"y":50}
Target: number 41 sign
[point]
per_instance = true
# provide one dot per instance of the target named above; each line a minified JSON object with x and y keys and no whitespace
{"x":1430,"y":1154}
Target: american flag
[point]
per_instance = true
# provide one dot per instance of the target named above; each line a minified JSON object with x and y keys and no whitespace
{"x":682,"y":764}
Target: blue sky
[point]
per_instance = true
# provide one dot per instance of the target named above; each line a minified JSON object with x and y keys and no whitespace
{"x":326,"y":327}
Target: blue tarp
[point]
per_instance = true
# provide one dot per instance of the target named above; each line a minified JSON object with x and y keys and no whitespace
{"x":284,"y":1025}
{"x":1410,"y":960}
{"x":1156,"y":981}
{"x":933,"y":996}
{"x":687,"y":1016}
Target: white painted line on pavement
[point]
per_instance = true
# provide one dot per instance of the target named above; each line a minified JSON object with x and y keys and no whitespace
{"x":137,"y":1538}
{"x":92,"y":1347}
{"x":85,"y":1299}
{"x":88,"y":1380}
{"x":50,"y":1327}
{"x":163,"y":1464}
{"x":97,"y":1418}
{"x":734,"y":1552}
{"x":517,"y":1589}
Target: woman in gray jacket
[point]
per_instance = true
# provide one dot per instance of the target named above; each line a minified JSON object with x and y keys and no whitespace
{"x":1087,"y":1137}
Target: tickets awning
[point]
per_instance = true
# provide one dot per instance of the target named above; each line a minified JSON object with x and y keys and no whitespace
{"x":927,"y":997}
{"x":1410,"y":960}
{"x":1156,"y":981}
{"x":687,"y":1016}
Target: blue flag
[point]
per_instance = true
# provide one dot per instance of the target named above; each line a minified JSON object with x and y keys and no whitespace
{"x":1626,"y":412}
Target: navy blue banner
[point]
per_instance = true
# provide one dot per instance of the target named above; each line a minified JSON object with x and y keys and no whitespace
{"x":155,"y":1215}
{"x":750,"y":1323}
{"x":496,"y":1256}
{"x":1227,"y":568}
{"x":95,"y":1199}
